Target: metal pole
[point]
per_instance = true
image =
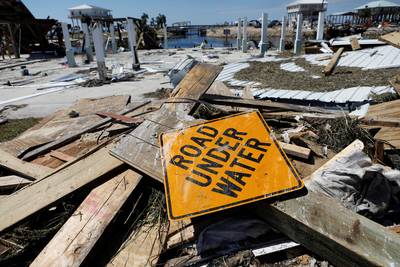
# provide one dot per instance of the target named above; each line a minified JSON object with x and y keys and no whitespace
{"x":239,"y":34}
{"x":113,"y":41}
{"x":297,"y":43}
{"x":88,"y":43}
{"x":264,"y":34}
{"x":244,"y":41}
{"x":132,"y":42}
{"x":99,"y":48}
{"x":321,"y":25}
{"x":68,"y":47}
{"x":283,"y":34}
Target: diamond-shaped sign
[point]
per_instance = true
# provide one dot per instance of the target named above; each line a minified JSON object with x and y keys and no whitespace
{"x":223,"y":163}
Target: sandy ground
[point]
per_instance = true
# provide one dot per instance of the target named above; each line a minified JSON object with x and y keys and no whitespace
{"x":40,"y":106}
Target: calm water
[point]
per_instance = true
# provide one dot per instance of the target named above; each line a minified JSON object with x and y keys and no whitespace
{"x":191,"y":41}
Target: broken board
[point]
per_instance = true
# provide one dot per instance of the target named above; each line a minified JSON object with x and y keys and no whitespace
{"x":223,"y":163}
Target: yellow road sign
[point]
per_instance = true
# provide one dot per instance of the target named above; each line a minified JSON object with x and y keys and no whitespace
{"x":223,"y":163}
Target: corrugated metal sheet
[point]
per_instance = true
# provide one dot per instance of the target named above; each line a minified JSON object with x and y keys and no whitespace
{"x":292,"y":67}
{"x":374,"y":58}
{"x":229,"y":71}
{"x":354,"y":94}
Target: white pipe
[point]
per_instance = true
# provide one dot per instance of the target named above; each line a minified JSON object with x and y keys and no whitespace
{"x":321,"y":25}
{"x":283,"y":34}
{"x":132,"y":42}
{"x":239,"y":34}
{"x":244,"y":41}
{"x":113,"y":41}
{"x":68,"y":47}
{"x":99,"y":48}
{"x":264,"y":34}
{"x":297,"y":43}
{"x":88,"y":43}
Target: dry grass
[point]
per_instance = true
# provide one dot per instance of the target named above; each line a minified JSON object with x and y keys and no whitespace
{"x":270,"y":75}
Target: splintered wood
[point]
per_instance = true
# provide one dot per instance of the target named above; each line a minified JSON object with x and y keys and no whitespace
{"x":76,"y":238}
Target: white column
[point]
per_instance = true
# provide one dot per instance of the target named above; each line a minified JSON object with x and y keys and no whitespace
{"x":283,"y":34}
{"x":88,"y":43}
{"x":321,"y":25}
{"x":68,"y":47}
{"x":239,"y":34}
{"x":98,"y":41}
{"x":165,"y":37}
{"x":297,"y":43}
{"x":264,"y":34}
{"x":113,"y":41}
{"x":244,"y":41}
{"x":132,"y":42}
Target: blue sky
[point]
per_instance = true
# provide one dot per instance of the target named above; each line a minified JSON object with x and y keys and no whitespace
{"x":197,"y":11}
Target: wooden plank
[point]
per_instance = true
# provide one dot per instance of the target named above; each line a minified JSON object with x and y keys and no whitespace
{"x":330,"y":230}
{"x":261,"y":104}
{"x":337,"y":234}
{"x":355,"y":45}
{"x":141,"y":249}
{"x":61,"y":156}
{"x":392,"y":38}
{"x":21,"y":167}
{"x":76,"y":238}
{"x":395,"y":82}
{"x":379,"y":121}
{"x":69,"y":138}
{"x":120,"y":118}
{"x":140,"y":148}
{"x":12,"y":183}
{"x":296,"y":151}
{"x":40,"y":194}
{"x":332,"y":64}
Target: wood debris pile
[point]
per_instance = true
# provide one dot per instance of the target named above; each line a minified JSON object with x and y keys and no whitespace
{"x":84,"y":187}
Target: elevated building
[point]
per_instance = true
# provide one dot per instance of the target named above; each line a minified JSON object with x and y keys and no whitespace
{"x":308,"y":8}
{"x":378,"y":11}
{"x":85,"y":10}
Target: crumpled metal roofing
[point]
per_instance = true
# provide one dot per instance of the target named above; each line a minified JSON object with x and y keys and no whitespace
{"x":373,"y":58}
{"x":229,"y":71}
{"x":292,"y":67}
{"x":354,"y":94}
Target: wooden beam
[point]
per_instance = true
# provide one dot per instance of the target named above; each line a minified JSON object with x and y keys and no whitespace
{"x":22,"y":168}
{"x":332,"y":64}
{"x":12,"y":183}
{"x":261,"y":104}
{"x":392,"y":38}
{"x":69,"y":138}
{"x":76,"y":238}
{"x":395,"y":82}
{"x":355,"y":45}
{"x":339,"y":235}
{"x":40,"y":194}
{"x":61,"y":156}
{"x":376,"y":121}
{"x":296,"y":151}
{"x":324,"y":226}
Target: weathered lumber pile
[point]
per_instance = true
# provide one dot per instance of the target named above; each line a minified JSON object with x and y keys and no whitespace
{"x":97,"y":184}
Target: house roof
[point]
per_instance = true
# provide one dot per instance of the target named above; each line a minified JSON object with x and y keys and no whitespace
{"x":375,"y":4}
{"x":86,"y":6}
{"x":307,"y":2}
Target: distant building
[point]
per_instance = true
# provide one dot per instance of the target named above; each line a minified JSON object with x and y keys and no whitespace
{"x":309,"y":8}
{"x":378,"y":11}
{"x":90,"y":11}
